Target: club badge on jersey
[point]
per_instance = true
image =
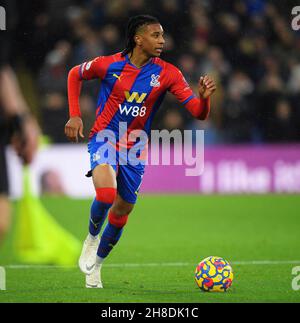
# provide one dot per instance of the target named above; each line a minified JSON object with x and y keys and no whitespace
{"x":154,"y":80}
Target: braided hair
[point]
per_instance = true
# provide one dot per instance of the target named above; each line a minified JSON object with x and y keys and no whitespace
{"x":133,"y":25}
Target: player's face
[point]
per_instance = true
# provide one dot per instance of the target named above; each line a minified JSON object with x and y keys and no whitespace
{"x":151,"y":40}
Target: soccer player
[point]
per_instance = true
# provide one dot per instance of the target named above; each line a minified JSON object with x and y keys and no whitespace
{"x":133,"y":85}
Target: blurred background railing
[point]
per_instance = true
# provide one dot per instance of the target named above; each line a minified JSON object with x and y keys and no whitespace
{"x":248,"y":46}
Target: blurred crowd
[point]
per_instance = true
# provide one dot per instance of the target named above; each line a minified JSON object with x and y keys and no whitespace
{"x":248,"y":47}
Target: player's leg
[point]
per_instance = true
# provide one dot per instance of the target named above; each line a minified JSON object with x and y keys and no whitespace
{"x":128,"y":181}
{"x":105,"y":184}
{"x":117,"y":219}
{"x":104,"y":179}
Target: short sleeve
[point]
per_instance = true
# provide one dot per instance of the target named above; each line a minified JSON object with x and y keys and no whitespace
{"x":179,"y":86}
{"x":93,"y":69}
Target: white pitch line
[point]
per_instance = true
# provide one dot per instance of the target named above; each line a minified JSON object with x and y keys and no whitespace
{"x":163,"y":264}
{"x":266,"y":262}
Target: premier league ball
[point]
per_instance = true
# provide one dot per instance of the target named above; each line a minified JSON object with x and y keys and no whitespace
{"x":214,"y":274}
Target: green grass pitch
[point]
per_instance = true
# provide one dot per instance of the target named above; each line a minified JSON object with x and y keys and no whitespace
{"x":165,"y":238}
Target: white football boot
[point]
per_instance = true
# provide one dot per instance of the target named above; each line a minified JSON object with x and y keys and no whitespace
{"x":93,"y":280}
{"x":87,"y":259}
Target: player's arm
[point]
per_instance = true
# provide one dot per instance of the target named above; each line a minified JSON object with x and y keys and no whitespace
{"x":86,"y":71}
{"x":24,"y":127}
{"x":75,"y":124}
{"x":199,"y":107}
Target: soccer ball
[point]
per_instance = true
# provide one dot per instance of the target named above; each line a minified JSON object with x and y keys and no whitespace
{"x":214,"y":274}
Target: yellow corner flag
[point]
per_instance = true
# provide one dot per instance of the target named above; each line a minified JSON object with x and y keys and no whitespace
{"x":39,"y":239}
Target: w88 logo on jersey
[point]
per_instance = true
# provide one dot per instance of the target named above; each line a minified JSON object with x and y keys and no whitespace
{"x":134,"y":111}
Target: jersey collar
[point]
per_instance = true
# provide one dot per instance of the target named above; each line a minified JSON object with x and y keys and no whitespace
{"x":139,"y":68}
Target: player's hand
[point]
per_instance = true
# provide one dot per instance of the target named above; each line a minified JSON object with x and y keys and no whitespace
{"x":25,"y":140}
{"x":74,"y":127}
{"x":206,"y":86}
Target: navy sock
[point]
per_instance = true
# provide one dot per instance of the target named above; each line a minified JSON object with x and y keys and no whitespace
{"x":109,"y":239}
{"x":98,"y":215}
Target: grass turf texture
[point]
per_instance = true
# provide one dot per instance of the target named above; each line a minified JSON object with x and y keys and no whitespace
{"x":174,"y":229}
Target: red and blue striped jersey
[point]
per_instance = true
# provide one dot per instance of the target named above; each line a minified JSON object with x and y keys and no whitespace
{"x":130,"y":94}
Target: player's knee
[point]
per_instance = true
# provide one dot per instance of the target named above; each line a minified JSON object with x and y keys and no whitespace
{"x":122,"y":208}
{"x":117,"y":220}
{"x":106,"y":195}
